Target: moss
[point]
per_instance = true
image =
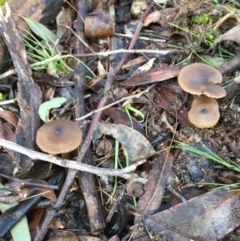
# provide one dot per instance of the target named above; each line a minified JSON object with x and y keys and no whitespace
{"x":204,"y":18}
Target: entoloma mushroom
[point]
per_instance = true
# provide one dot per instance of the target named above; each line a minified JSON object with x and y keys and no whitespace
{"x":59,"y":137}
{"x":204,"y":112}
{"x":201,"y":79}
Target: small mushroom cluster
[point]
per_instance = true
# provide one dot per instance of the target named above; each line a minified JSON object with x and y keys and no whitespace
{"x":201,"y":79}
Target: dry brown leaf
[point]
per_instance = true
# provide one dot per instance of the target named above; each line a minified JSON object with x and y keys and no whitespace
{"x":166,"y":98}
{"x":64,"y":18}
{"x":9,"y":117}
{"x":98,"y":25}
{"x":37,"y":216}
{"x":153,"y":75}
{"x":104,"y":147}
{"x":120,"y":117}
{"x":207,"y":217}
{"x":7,"y":133}
{"x":47,"y":192}
{"x":156,"y":16}
{"x":152,"y":18}
{"x":138,"y":147}
{"x":156,"y":185}
{"x":232,"y":34}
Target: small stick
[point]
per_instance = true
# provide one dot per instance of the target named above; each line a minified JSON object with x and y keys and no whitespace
{"x":7,"y":102}
{"x":116,"y":102}
{"x":29,"y":183}
{"x":104,"y":54}
{"x":71,"y":164}
{"x":108,"y":84}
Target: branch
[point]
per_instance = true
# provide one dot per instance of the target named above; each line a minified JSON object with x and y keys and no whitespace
{"x":124,"y":173}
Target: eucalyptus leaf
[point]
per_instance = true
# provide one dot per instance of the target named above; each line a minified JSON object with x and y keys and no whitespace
{"x":232,"y":35}
{"x":137,"y":146}
{"x":45,"y":107}
{"x":20,"y":232}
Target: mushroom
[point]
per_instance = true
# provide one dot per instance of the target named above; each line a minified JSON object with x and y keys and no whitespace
{"x":204,"y":112}
{"x":201,"y":79}
{"x":59,"y":137}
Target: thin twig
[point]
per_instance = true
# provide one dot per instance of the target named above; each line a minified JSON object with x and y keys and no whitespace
{"x":28,"y":182}
{"x":131,"y":51}
{"x":104,"y":54}
{"x":7,"y":102}
{"x":108,"y":84}
{"x":114,"y":103}
{"x":140,"y":37}
{"x":72,"y":164}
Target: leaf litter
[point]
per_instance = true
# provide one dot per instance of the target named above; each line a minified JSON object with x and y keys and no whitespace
{"x":188,"y":27}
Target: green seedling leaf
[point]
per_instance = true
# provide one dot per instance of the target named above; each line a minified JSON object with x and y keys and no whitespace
{"x":41,"y":31}
{"x":1,"y":96}
{"x":45,"y":107}
{"x":20,"y":232}
{"x":128,"y":108}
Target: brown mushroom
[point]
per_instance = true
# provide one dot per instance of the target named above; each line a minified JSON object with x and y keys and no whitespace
{"x":204,"y":112}
{"x":59,"y":136}
{"x":201,"y":79}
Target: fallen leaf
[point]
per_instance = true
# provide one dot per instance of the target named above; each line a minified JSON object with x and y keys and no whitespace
{"x":7,"y":133}
{"x":157,"y":15}
{"x":232,"y":34}
{"x":166,"y":98}
{"x":134,"y":62}
{"x":98,"y":25}
{"x":104,"y":147}
{"x":101,"y":69}
{"x":37,"y":215}
{"x":9,"y":117}
{"x":207,"y":217}
{"x":47,"y":192}
{"x":120,"y":117}
{"x":151,"y":201}
{"x":154,"y":75}
{"x":64,"y":18}
{"x":138,"y":147}
{"x":147,"y":66}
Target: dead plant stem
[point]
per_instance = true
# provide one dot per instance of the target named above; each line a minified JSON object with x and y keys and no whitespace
{"x":104,"y":54}
{"x":70,"y":163}
{"x":108,"y":84}
{"x":116,"y":102}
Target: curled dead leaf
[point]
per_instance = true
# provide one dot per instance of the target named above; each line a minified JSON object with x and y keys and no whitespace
{"x":98,"y":25}
{"x":9,"y":117}
{"x":137,"y":146}
{"x":232,"y":34}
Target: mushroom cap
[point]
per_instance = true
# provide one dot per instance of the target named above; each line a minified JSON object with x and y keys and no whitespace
{"x":204,"y":112}
{"x":201,"y":79}
{"x":59,"y":136}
